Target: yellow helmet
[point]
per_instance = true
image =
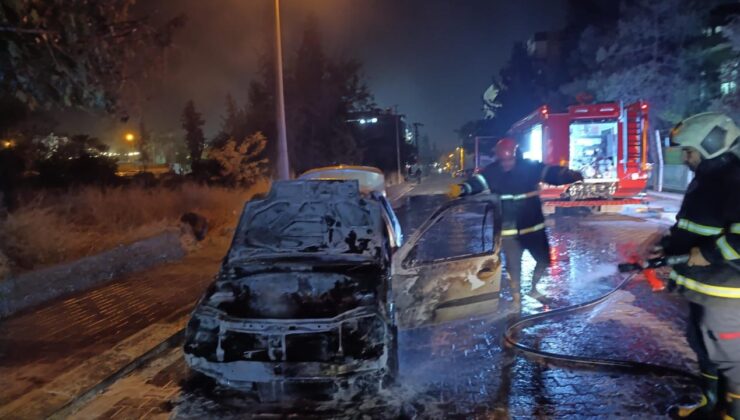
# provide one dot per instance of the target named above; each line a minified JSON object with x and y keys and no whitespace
{"x":710,"y":133}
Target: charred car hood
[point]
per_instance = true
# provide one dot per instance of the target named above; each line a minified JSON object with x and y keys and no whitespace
{"x":321,"y":220}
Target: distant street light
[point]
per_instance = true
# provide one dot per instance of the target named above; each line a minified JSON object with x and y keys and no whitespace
{"x":364,"y":121}
{"x":130,"y":138}
{"x":283,"y":164}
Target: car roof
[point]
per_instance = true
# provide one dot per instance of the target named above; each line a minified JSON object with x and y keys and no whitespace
{"x":371,"y":179}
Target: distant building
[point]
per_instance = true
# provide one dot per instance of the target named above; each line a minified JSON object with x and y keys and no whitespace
{"x":376,"y":133}
{"x":720,"y":76}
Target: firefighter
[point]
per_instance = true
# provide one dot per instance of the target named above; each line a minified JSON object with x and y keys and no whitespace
{"x":516,"y":181}
{"x":708,"y":229}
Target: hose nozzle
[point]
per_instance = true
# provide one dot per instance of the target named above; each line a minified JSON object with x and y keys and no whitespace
{"x":652,"y":263}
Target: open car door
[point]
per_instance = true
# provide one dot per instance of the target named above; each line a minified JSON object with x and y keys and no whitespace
{"x":450,"y":268}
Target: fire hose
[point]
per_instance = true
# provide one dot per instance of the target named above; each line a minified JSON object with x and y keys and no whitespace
{"x":632,"y":268}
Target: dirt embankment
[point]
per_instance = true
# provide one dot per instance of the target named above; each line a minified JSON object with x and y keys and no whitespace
{"x":58,"y":228}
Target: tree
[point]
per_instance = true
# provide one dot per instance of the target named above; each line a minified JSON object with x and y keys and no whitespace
{"x":144,"y":143}
{"x":651,"y":55}
{"x":344,"y":149}
{"x":260,"y":108}
{"x":233,"y":123}
{"x":12,"y":166}
{"x":19,"y":123}
{"x":425,"y":150}
{"x":241,"y":162}
{"x":732,"y":33}
{"x":192,"y":122}
{"x":93,"y":55}
{"x":728,"y":101}
{"x":78,"y":160}
{"x":173,"y":149}
{"x":321,"y":93}
{"x":520,"y":89}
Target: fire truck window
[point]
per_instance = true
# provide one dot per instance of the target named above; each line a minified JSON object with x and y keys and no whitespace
{"x":531,"y":143}
{"x":593,"y":149}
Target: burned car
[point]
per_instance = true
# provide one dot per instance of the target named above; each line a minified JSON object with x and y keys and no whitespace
{"x":302,"y":303}
{"x":305,"y":302}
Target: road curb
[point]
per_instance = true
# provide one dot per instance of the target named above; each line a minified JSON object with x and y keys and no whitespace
{"x":405,"y":189}
{"x":666,"y":195}
{"x":65,"y":393}
{"x":31,"y":289}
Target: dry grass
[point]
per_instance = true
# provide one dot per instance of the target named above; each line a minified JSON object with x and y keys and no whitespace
{"x":54,"y":229}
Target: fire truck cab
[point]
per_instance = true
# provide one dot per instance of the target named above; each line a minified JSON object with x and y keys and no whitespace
{"x":606,"y":142}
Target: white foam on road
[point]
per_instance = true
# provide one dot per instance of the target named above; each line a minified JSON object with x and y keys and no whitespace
{"x":596,"y":273}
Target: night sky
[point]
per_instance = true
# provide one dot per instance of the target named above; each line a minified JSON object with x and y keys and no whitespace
{"x":431,"y":58}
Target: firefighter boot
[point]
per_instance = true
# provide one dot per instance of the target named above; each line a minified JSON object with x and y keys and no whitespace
{"x":516,"y":299}
{"x":539,"y":271}
{"x":516,"y":296}
{"x":705,"y":408}
{"x":535,"y":294}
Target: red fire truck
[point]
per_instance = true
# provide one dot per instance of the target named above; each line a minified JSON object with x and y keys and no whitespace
{"x":606,"y":142}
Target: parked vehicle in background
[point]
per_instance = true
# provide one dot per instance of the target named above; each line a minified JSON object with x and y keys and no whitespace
{"x":606,"y":142}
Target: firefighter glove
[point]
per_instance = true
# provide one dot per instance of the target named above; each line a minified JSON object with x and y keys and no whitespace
{"x":455,"y":191}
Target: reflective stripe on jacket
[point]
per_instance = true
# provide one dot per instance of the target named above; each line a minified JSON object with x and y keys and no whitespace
{"x":706,"y":289}
{"x":518,"y":189}
{"x":512,"y":232}
{"x":709,"y":219}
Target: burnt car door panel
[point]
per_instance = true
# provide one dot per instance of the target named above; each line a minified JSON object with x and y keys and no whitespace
{"x":450,"y":267}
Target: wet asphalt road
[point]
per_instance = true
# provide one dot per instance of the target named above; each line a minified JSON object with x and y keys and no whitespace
{"x":462,"y":369}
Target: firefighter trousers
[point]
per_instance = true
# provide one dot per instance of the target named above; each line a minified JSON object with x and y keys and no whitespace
{"x":513,"y":248}
{"x":714,"y":334}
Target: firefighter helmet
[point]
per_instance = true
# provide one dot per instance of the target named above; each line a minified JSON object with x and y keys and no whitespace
{"x":710,"y":133}
{"x":506,"y":149}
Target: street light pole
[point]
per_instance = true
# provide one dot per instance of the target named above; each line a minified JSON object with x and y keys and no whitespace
{"x":283,"y":164}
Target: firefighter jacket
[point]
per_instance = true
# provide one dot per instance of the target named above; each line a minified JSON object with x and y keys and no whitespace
{"x":709,"y":219}
{"x":518,"y":189}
